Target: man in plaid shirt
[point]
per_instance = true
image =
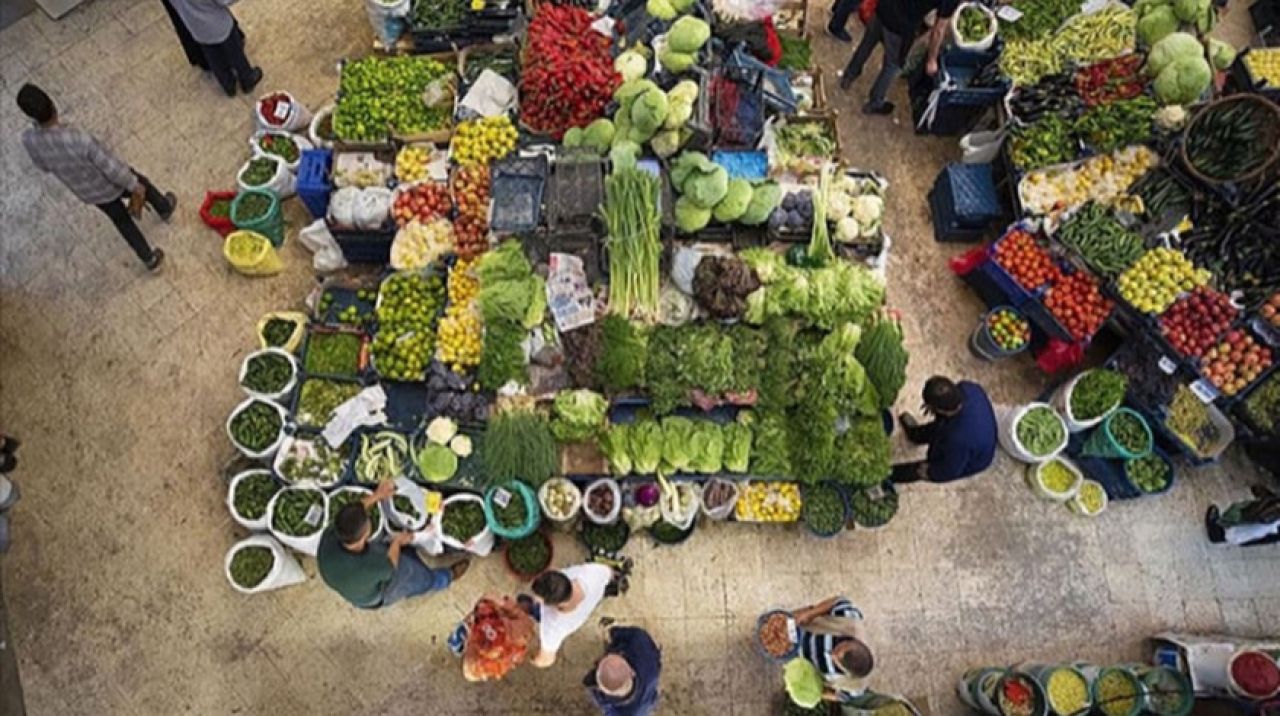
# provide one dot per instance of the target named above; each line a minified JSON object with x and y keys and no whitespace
{"x":92,"y":172}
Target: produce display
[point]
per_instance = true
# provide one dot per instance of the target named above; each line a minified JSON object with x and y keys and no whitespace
{"x":568,"y":75}
{"x":1076,"y":302}
{"x":276,"y":332}
{"x":1102,"y":178}
{"x":1056,"y":477}
{"x":253,"y":493}
{"x":336,"y":353}
{"x":633,"y":242}
{"x":774,"y":634}
{"x":1235,"y":362}
{"x":408,"y":306}
{"x":796,"y":53}
{"x":412,"y":161}
{"x":1150,"y":473}
{"x":438,"y":14}
{"x":478,"y":141}
{"x":1008,"y":329}
{"x":220,"y":208}
{"x":312,"y":461}
{"x":1091,"y":498}
{"x":253,"y":206}
{"x":383,"y":455}
{"x":873,"y":506}
{"x":1017,"y":695}
{"x":250,"y":565}
{"x":1067,"y":691}
{"x":418,"y":244}
{"x":280,"y":145}
{"x":319,"y":397}
{"x":421,"y":202}
{"x":1116,"y":693}
{"x":267,"y":373}
{"x":1048,"y":141}
{"x":529,"y":556}
{"x":822,"y":509}
{"x":513,"y":514}
{"x":462,"y":520}
{"x":1129,"y":431}
{"x":1188,"y":418}
{"x":258,"y":171}
{"x":404,"y":507}
{"x":1101,"y":240}
{"x":1228,"y":140}
{"x":605,"y":538}
{"x":1025,"y":260}
{"x":292,"y":508}
{"x":257,"y":426}
{"x":1155,"y":280}
{"x":974,"y":24}
{"x":341,"y":498}
{"x":1110,"y":80}
{"x":1194,"y":322}
{"x":1097,"y":393}
{"x":768,"y":502}
{"x":1262,"y":405}
{"x":378,"y":95}
{"x":1040,"y":431}
{"x":519,"y":444}
{"x":1263,"y":65}
{"x":1166,"y":692}
{"x":1039,"y":18}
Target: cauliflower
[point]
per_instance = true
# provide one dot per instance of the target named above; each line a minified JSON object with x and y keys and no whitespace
{"x":847,"y":230}
{"x":838,"y":205}
{"x":706,"y":188}
{"x":1171,"y":118}
{"x":441,"y":430}
{"x":868,"y":209}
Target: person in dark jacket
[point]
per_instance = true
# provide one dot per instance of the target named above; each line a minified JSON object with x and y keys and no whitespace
{"x":895,"y":26}
{"x":624,"y":681}
{"x":841,"y":11}
{"x":191,"y":48}
{"x":212,"y":25}
{"x":961,"y":438}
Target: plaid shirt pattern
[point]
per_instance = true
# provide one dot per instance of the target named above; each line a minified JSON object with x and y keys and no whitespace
{"x":88,"y":169}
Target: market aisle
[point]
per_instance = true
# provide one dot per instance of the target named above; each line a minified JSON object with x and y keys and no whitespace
{"x":119,"y":385}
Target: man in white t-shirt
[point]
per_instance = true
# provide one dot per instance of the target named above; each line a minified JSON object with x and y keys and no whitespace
{"x":568,"y":597}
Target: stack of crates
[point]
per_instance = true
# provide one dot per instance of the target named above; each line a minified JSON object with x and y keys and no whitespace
{"x":960,"y":108}
{"x":313,"y":181}
{"x":963,"y":203}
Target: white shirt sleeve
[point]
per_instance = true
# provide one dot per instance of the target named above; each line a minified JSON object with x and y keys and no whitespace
{"x":556,"y":626}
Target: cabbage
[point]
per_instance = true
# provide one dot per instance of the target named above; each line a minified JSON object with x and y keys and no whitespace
{"x":706,"y":189}
{"x":577,"y":415}
{"x":598,"y":135}
{"x":661,"y":9}
{"x":685,"y":165}
{"x":572,"y":138}
{"x":803,"y":682}
{"x":1189,"y":10}
{"x":437,"y":463}
{"x":683,"y":5}
{"x":665,"y":143}
{"x":1221,"y":55}
{"x":689,"y":216}
{"x":676,"y":61}
{"x":688,"y":34}
{"x":678,"y":113}
{"x":645,"y":438}
{"x":648,"y":110}
{"x":684,"y":91}
{"x":631,"y":64}
{"x":764,"y":199}
{"x":1156,"y":25}
{"x":633,"y":88}
{"x":737,"y":445}
{"x":1183,"y":81}
{"x":624,"y":154}
{"x":735,"y":201}
{"x":1164,"y":52}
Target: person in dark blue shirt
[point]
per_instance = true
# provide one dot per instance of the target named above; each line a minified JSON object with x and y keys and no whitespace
{"x":961,"y":438}
{"x":625,"y":680}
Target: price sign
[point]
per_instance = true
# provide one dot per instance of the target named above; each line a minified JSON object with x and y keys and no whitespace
{"x":1167,"y":365}
{"x":282,"y":110}
{"x":434,"y":501}
{"x":501,"y":497}
{"x":1204,"y":390}
{"x":875,"y":492}
{"x":314,"y":515}
{"x":1009,"y":13}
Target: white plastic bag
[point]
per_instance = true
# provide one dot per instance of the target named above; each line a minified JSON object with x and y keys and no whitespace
{"x":269,"y":450}
{"x":410,"y":491}
{"x":313,"y":130}
{"x":609,"y":485}
{"x":560,"y":519}
{"x":342,"y":206}
{"x":981,"y":147}
{"x":479,"y":545}
{"x":681,"y":514}
{"x":285,"y":571}
{"x":327,"y":255}
{"x":300,"y":141}
{"x":307,"y":544}
{"x":981,"y":45}
{"x":292,"y":118}
{"x":304,"y":446}
{"x":283,"y":392}
{"x":725,"y":509}
{"x":372,"y":207}
{"x":1008,"y":434}
{"x":682,"y":268}
{"x":387,"y":19}
{"x":258,"y":524}
{"x":283,"y":183}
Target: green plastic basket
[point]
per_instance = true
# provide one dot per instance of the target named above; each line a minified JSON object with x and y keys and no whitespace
{"x":533,"y":513}
{"x":1101,"y":442}
{"x":270,"y":224}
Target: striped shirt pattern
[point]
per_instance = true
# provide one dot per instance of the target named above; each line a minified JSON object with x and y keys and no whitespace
{"x":816,"y":648}
{"x":88,"y":169}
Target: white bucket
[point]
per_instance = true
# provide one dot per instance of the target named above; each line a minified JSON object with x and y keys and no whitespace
{"x":270,"y":449}
{"x":1076,"y":504}
{"x":685,"y":520}
{"x":283,"y":184}
{"x":1061,"y":401}
{"x":561,"y":522}
{"x":313,"y":131}
{"x":288,"y":388}
{"x":1042,"y":491}
{"x":981,"y":45}
{"x":407,"y":489}
{"x":258,"y":524}
{"x":609,"y":485}
{"x":295,"y":119}
{"x":307,"y":544}
{"x":302,"y":142}
{"x":380,"y":528}
{"x":981,"y":147}
{"x":1008,"y":434}
{"x":479,"y":545}
{"x":285,"y":571}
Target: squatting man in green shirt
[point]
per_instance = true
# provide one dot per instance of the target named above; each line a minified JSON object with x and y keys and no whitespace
{"x":372,"y":574}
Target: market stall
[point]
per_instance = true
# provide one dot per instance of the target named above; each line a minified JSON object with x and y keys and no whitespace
{"x":1133,"y":170}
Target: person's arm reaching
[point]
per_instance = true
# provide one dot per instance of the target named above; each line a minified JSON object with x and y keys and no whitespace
{"x":808,"y":614}
{"x":384,"y":491}
{"x":398,"y":541}
{"x":937,"y":34}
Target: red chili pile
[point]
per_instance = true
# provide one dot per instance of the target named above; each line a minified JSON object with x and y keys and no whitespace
{"x":1078,"y":305}
{"x":424,"y":201}
{"x":1110,"y":80}
{"x":1025,"y":260}
{"x":568,"y":75}
{"x":269,"y":106}
{"x":471,"y":195}
{"x":1194,"y":322}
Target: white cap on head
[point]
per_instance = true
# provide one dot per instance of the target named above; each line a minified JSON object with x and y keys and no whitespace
{"x":614,"y":675}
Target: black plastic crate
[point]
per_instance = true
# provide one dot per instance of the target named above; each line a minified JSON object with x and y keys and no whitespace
{"x":575,"y":191}
{"x":365,"y":246}
{"x":517,"y":187}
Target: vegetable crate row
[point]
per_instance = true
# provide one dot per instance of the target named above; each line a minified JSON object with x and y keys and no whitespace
{"x":1077,"y":688}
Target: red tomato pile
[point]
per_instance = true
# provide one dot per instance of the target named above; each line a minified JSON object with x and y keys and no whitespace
{"x":470,"y":236}
{"x":1075,"y":301}
{"x":1024,"y":260}
{"x":1110,"y":80}
{"x":568,"y":74}
{"x":1194,"y":322}
{"x":1235,"y":362}
{"x":424,"y":202}
{"x":267,"y":107}
{"x":471,"y":195}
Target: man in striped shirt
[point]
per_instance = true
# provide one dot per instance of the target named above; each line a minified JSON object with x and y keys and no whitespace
{"x":832,"y":637}
{"x":92,"y":172}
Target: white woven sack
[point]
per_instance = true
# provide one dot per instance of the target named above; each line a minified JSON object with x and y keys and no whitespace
{"x":285,"y":572}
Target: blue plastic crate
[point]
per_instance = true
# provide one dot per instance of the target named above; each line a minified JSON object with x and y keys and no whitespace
{"x":945,"y":227}
{"x":968,"y":191}
{"x":313,"y":181}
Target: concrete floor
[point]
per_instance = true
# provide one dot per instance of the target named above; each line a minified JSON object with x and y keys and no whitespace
{"x":119,"y":384}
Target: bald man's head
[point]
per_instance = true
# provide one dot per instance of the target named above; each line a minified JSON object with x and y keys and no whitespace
{"x":614,"y":675}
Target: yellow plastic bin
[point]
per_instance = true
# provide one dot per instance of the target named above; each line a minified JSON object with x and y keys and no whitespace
{"x":251,"y":254}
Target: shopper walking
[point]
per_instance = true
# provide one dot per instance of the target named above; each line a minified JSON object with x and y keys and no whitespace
{"x":961,"y":437}
{"x":895,"y":26}
{"x":1247,"y":523}
{"x":191,"y":48}
{"x":831,"y":635}
{"x":370,"y":574}
{"x":215,"y":28}
{"x":841,"y":11}
{"x":494,"y":638}
{"x":567,"y":598}
{"x":92,"y":172}
{"x":624,"y":681}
